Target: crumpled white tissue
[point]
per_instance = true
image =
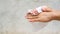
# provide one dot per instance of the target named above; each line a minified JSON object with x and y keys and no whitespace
{"x":39,"y":10}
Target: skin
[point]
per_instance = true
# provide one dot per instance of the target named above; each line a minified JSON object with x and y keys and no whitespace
{"x":47,"y":15}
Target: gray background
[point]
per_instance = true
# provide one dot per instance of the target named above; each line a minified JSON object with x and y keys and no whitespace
{"x":12,"y":12}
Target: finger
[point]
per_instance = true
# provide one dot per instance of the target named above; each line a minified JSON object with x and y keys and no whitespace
{"x":46,"y":9}
{"x":34,"y":20}
{"x":37,"y":20}
{"x":31,"y":17}
{"x":33,"y":12}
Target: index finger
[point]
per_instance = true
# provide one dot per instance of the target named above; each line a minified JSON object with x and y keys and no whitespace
{"x":29,"y":16}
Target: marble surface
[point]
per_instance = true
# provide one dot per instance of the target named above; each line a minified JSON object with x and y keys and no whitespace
{"x":12,"y":20}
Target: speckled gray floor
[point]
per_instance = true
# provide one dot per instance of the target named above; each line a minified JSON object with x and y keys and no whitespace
{"x":12,"y":14}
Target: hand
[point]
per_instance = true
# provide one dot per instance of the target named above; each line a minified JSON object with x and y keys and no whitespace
{"x":48,"y":14}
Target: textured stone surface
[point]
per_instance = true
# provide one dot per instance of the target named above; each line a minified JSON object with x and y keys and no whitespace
{"x":12,"y":14}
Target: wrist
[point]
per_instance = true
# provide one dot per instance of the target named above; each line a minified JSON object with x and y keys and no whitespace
{"x":56,"y":15}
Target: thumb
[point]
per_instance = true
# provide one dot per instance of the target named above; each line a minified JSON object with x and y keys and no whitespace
{"x":46,"y":9}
